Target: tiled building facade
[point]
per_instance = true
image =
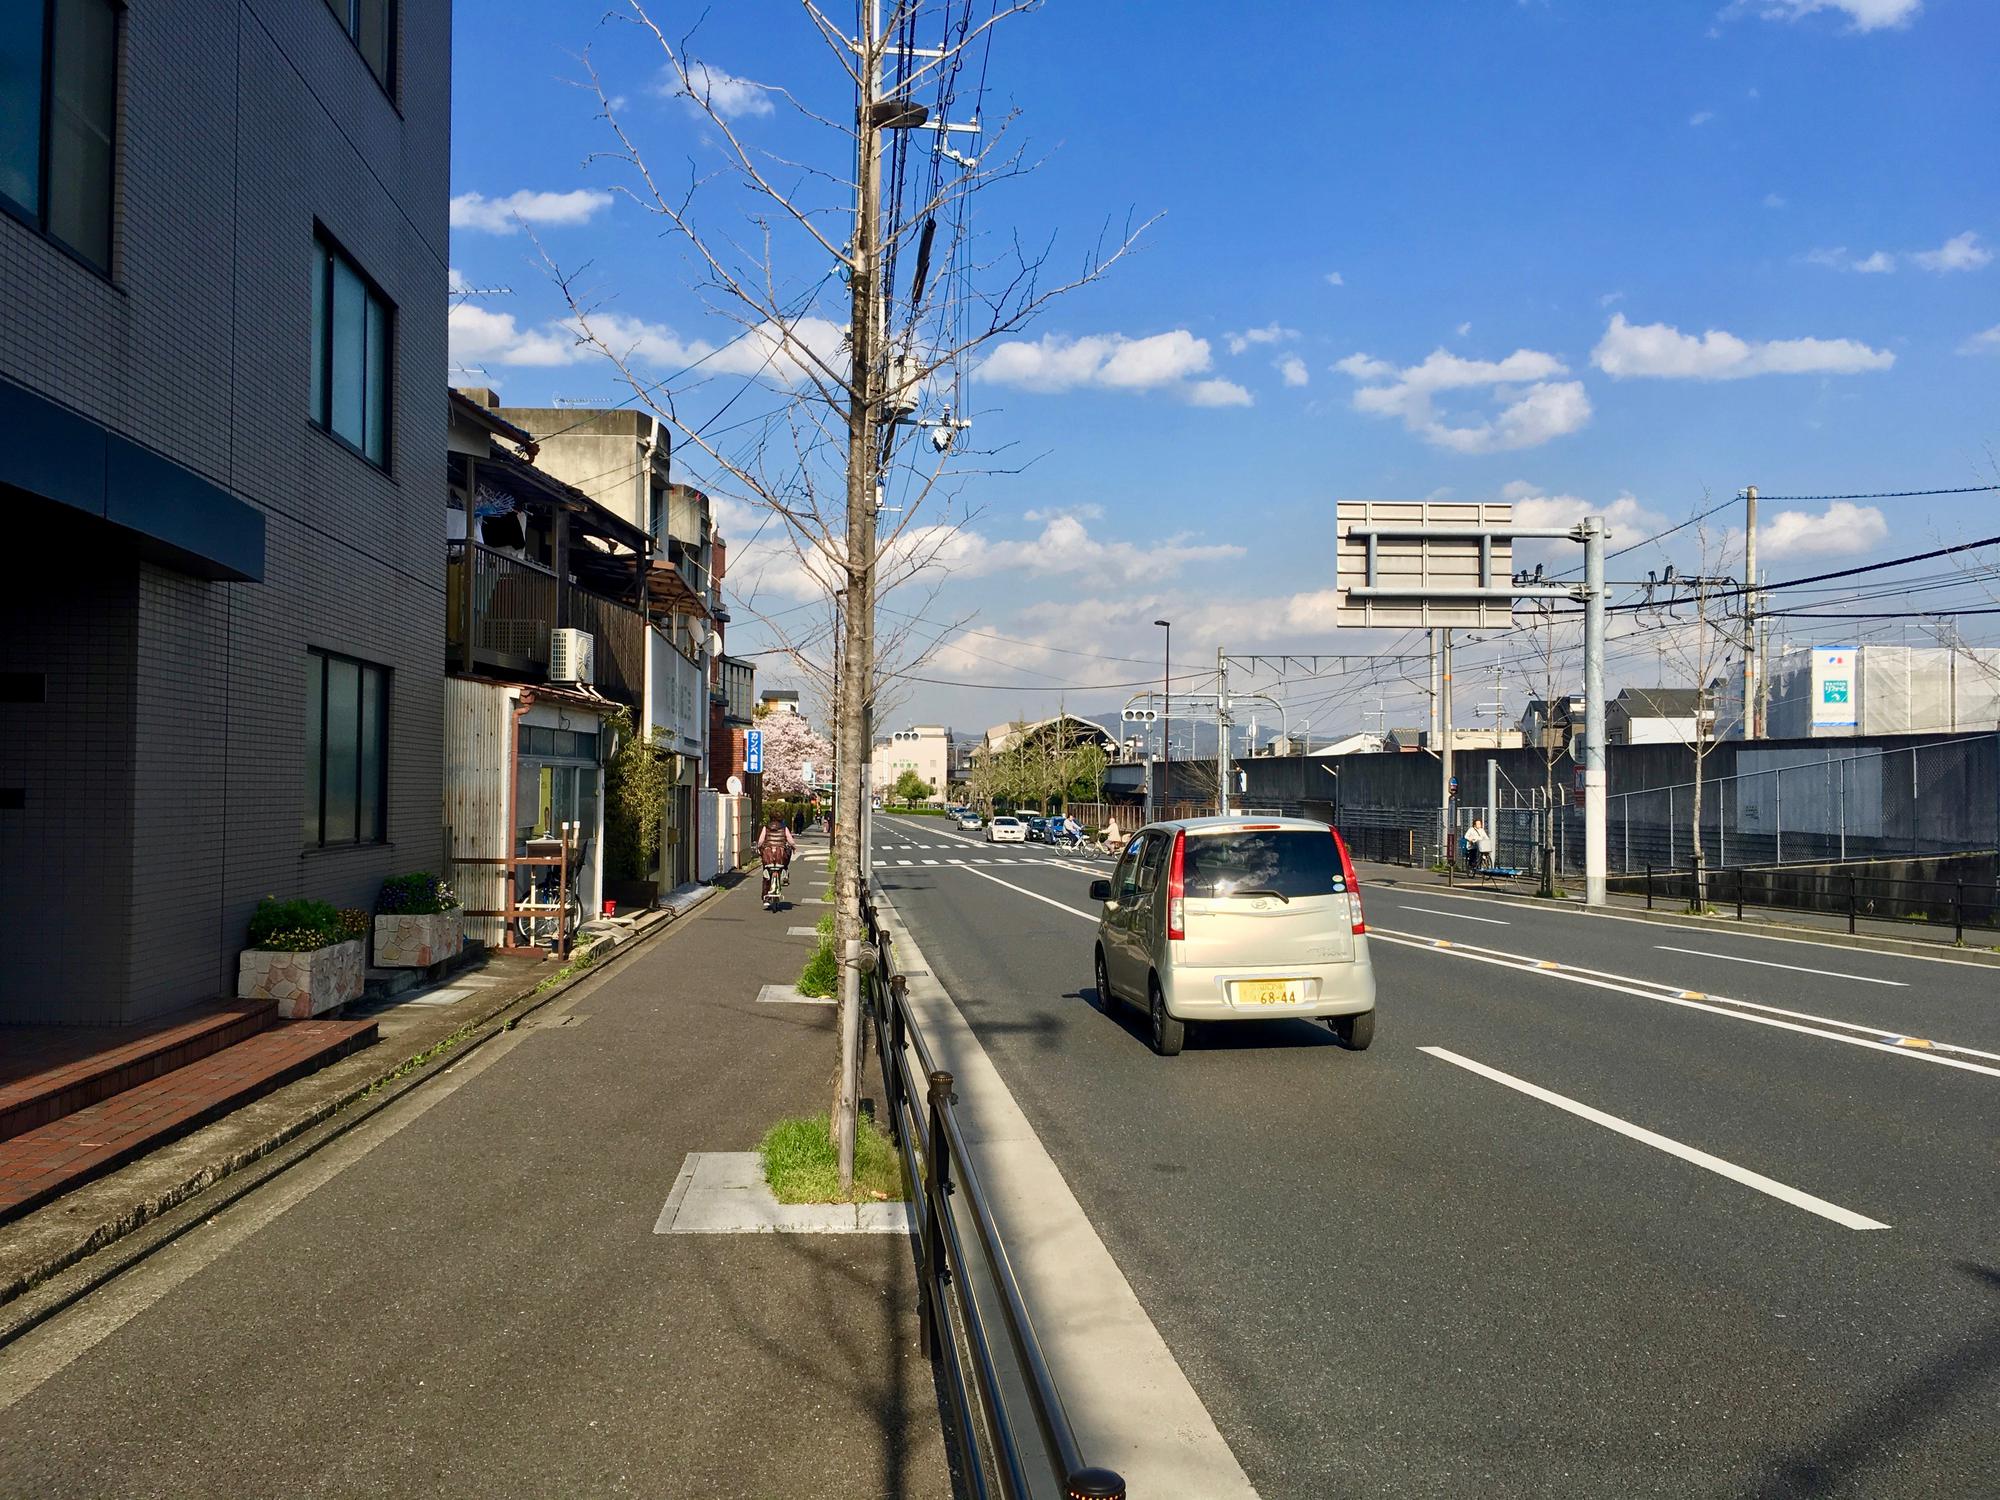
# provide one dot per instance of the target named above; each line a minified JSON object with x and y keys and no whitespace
{"x":222,"y":439}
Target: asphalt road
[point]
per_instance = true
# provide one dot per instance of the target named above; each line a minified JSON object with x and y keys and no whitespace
{"x":1395,"y":1272}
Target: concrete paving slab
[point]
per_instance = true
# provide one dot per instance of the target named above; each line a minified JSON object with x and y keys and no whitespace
{"x":724,"y":1192}
{"x":801,"y":932}
{"x":788,"y":994}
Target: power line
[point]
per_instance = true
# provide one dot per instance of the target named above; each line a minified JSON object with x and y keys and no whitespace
{"x":1971,"y":489}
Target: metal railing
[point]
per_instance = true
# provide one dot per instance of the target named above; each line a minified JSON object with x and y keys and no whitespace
{"x":988,"y":1364}
{"x":1957,"y":903}
{"x":500,"y":610}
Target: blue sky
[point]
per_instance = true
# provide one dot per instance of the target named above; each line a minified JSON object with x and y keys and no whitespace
{"x":1589,"y":257}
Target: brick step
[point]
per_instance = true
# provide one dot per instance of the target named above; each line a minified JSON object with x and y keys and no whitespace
{"x":41,"y":1164}
{"x":70,"y":1082}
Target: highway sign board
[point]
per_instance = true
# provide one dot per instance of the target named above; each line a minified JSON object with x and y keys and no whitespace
{"x":1423,"y":563}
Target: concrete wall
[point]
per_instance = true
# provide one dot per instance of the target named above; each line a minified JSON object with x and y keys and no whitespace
{"x":243,"y":124}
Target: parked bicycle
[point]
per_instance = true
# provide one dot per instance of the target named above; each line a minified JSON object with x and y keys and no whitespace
{"x":549,"y":914}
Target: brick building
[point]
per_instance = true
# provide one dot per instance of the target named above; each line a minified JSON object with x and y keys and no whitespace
{"x":222,"y":349}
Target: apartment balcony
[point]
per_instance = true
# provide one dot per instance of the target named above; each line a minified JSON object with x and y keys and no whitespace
{"x":500,"y":611}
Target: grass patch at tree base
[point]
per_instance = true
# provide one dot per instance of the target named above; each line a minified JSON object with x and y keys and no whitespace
{"x":801,"y":1167}
{"x":821,"y":974}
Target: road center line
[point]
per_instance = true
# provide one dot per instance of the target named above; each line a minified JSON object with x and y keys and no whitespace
{"x":1088,"y":916}
{"x":1765,"y":963}
{"x":1463,"y":916}
{"x":1875,"y":1038}
{"x":1844,"y":1217}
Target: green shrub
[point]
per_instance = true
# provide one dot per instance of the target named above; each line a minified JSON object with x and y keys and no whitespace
{"x":821,"y":973}
{"x":824,"y":927}
{"x":416,"y":895}
{"x":301,"y":925}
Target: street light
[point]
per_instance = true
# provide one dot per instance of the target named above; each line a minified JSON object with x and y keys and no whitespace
{"x":1167,"y":709}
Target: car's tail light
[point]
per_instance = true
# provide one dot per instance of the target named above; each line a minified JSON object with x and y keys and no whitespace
{"x":1353,"y":885}
{"x":1177,"y":888}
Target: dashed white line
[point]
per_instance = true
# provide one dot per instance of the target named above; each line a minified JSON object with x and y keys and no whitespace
{"x":1845,"y":1217}
{"x":1765,"y":963}
{"x":1463,"y":916}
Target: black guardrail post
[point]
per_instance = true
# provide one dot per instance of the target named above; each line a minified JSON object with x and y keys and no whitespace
{"x":1958,"y":914}
{"x":1850,"y":903}
{"x":1739,"y":893}
{"x":1649,"y":885}
{"x":1095,"y":1484}
{"x":937,"y":1166}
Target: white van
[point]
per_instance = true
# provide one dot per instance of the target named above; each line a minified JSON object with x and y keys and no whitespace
{"x":1236,"y":919}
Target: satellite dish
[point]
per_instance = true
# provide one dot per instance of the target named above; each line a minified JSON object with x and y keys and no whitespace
{"x":735,"y":785}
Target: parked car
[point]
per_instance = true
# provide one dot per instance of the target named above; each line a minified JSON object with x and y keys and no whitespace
{"x":1006,"y":831}
{"x":1235,"y":919}
{"x":1038,"y":829}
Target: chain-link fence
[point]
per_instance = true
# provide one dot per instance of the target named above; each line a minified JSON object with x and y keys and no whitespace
{"x":1806,"y":805}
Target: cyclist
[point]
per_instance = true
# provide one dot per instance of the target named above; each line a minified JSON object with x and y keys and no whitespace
{"x":775,"y":847}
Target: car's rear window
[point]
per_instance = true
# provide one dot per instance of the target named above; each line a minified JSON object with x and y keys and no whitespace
{"x":1291,"y":861}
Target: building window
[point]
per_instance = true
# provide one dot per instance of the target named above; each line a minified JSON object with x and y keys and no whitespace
{"x":59,"y":118}
{"x":372,"y":26}
{"x":352,"y":324}
{"x":347,"y":751}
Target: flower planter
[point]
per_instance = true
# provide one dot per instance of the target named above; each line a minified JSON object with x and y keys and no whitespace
{"x":304,"y":984}
{"x":417,"y":942}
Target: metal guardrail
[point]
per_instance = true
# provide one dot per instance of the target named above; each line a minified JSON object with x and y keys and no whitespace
{"x":980,"y":1364}
{"x":1934,"y":904}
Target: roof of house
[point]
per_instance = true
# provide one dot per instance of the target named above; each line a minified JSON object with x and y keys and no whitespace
{"x":779,"y":695}
{"x":1659,"y":702}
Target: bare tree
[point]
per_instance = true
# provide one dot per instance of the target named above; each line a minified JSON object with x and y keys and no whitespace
{"x":766,"y":236}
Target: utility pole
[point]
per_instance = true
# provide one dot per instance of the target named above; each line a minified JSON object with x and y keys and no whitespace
{"x":1594,"y":843}
{"x":1753,"y":725}
{"x":858,"y":662}
{"x":1221,"y":733}
{"x":1167,"y":715}
{"x":1445,"y":756}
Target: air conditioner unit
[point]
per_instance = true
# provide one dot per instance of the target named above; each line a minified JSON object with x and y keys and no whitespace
{"x":570,"y":656}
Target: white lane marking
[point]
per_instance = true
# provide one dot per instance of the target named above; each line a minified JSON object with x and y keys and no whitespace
{"x":1765,"y":963}
{"x":1923,"y":1051}
{"x":1571,"y":909}
{"x":1088,"y":916}
{"x":930,"y":861}
{"x":1845,"y":1217}
{"x":903,"y":861}
{"x":1463,"y":916}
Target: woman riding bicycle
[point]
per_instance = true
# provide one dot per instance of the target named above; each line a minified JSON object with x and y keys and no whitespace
{"x":775,"y":847}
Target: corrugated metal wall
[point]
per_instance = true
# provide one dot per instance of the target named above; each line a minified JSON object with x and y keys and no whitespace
{"x":478,"y":748}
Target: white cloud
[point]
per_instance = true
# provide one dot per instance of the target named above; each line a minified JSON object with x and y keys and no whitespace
{"x":1610,"y":298}
{"x":1773,"y":200}
{"x":1701,"y":117}
{"x":1535,"y":407}
{"x":1111,"y":361}
{"x":479,"y":335}
{"x":1844,"y":529}
{"x":1464,"y":329}
{"x":506,"y":215}
{"x":1218,"y":393}
{"x":1863,"y":15}
{"x":1270,"y":333}
{"x":1293,"y":370}
{"x":729,"y":96}
{"x":1334,"y":278}
{"x":1066,"y":546}
{"x":1987,"y":342}
{"x":454,"y":280}
{"x":1663,"y":351}
{"x":1627,"y":519}
{"x":1085,"y":512}
{"x":1962,"y":252}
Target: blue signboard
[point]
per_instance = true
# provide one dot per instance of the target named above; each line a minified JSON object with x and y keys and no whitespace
{"x":753,"y":752}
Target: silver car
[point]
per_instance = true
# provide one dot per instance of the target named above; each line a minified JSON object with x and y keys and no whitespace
{"x":1236,"y":919}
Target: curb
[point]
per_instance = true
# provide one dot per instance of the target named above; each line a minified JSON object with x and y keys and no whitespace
{"x":393,"y":1082}
{"x":1867,"y":941}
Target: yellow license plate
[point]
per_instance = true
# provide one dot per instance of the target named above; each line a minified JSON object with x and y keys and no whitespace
{"x":1270,"y":992}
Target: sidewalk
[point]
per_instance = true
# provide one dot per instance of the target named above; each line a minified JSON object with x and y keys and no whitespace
{"x":1824,"y":927}
{"x":478,"y":1302}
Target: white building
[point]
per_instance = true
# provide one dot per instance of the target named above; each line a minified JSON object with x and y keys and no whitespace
{"x":923,"y":748}
{"x":1821,"y":692}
